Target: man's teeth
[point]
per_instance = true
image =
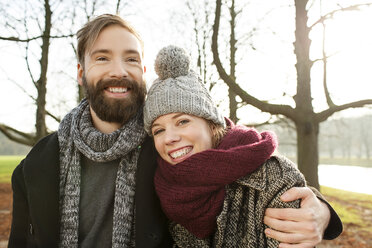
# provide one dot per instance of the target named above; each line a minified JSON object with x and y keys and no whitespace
{"x":118,"y":89}
{"x":180,"y":153}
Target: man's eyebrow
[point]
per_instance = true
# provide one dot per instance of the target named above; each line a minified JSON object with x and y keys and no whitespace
{"x":100,"y":51}
{"x":132,"y":51}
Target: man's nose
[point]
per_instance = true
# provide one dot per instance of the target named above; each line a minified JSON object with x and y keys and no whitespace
{"x":118,"y":70}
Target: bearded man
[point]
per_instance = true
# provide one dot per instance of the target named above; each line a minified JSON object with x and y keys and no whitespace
{"x":90,"y":184}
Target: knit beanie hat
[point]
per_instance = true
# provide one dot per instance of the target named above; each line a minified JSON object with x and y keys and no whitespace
{"x":178,"y":90}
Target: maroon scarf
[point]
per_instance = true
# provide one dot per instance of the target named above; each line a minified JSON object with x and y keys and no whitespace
{"x":192,"y":192}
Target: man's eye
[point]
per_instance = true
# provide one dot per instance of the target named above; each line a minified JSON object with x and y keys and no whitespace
{"x":134,"y":60}
{"x":101,"y":59}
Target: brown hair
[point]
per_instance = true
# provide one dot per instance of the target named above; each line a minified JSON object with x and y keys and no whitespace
{"x":218,"y":132}
{"x":88,"y":34}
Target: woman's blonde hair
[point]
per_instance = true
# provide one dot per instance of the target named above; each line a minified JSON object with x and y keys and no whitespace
{"x":218,"y":132}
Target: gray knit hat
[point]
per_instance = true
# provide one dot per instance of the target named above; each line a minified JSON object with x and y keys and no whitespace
{"x":178,"y":89}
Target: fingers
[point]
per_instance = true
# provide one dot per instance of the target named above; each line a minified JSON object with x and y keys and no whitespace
{"x":292,"y":239}
{"x":306,"y":245}
{"x":296,"y":193}
{"x":280,"y":225}
{"x":282,"y":237}
{"x":288,"y":214}
{"x":307,"y":228}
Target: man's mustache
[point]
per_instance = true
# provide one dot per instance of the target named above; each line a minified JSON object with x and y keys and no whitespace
{"x":127,"y":83}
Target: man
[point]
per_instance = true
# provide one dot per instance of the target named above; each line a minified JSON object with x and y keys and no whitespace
{"x":91,"y":183}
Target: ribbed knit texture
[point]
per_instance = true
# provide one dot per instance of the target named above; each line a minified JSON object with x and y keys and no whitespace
{"x":77,"y":136}
{"x":178,"y":89}
{"x":192,"y":192}
{"x":240,"y":224}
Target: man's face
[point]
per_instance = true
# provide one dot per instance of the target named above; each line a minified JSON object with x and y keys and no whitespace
{"x":112,"y":75}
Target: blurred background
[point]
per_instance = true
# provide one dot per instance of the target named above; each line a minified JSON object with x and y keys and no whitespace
{"x":300,"y":68}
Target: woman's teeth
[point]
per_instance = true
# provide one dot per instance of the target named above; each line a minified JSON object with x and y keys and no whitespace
{"x":180,"y":153}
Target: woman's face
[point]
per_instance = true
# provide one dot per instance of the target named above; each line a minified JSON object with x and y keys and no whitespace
{"x":177,"y":136}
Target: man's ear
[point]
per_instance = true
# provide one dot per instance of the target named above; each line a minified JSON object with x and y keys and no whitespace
{"x":80,"y":74}
{"x":144,"y":69}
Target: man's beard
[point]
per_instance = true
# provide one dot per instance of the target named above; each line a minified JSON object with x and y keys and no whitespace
{"x":115,"y":109}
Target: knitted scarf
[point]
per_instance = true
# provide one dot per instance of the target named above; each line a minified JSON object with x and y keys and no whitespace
{"x":77,"y":136}
{"x":192,"y":192}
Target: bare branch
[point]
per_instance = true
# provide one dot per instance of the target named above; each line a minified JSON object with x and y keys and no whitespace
{"x":35,"y":38}
{"x":325,"y":85}
{"x":22,"y":89}
{"x":17,"y":136}
{"x":324,"y":115}
{"x":117,"y":6}
{"x":285,"y":110}
{"x":57,"y":119}
{"x":28,"y":65}
{"x":332,"y":13}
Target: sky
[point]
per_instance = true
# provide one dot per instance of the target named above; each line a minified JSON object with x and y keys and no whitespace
{"x":265,"y":71}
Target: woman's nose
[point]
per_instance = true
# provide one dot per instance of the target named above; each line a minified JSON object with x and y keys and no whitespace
{"x":172,"y":137}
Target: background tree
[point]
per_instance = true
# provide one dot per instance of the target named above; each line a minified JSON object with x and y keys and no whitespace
{"x":42,"y":37}
{"x":43,"y":23}
{"x":303,"y":115}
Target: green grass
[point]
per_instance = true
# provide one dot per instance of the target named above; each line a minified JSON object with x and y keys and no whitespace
{"x":7,"y":165}
{"x":350,"y":213}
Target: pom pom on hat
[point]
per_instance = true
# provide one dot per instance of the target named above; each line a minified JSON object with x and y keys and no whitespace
{"x":172,"y":62}
{"x":178,"y":90}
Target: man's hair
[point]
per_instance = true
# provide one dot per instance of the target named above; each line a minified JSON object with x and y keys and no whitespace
{"x":88,"y":34}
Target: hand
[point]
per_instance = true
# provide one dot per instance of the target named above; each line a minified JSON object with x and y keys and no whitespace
{"x":298,"y":228}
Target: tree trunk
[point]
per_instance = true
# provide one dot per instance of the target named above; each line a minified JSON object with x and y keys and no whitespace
{"x":306,"y":124}
{"x":41,"y":129}
{"x":232,"y":95}
{"x":307,"y":151}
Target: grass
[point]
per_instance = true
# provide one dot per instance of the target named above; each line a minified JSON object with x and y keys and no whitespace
{"x":349,"y":205}
{"x":7,"y":165}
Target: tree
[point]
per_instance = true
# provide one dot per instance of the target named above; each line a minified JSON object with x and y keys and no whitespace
{"x":40,"y":81}
{"x":303,"y":115}
{"x":202,"y":19}
{"x":35,"y":32}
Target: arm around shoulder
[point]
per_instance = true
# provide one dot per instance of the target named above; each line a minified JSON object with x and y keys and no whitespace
{"x":334,"y":228}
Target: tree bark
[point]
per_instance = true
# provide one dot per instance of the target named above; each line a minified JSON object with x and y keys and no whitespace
{"x":307,"y":151}
{"x":41,"y":129}
{"x":232,"y":95}
{"x":306,"y":125}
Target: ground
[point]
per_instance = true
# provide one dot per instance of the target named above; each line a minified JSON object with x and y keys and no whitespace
{"x":353,"y":235}
{"x":5,"y":212}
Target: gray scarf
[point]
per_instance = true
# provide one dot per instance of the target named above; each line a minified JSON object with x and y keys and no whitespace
{"x":77,"y":136}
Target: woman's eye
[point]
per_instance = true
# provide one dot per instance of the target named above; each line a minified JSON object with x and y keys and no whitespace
{"x":156,"y":132}
{"x":183,"y":122}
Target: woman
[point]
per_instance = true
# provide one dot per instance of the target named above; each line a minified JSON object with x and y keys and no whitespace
{"x":215,"y":179}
